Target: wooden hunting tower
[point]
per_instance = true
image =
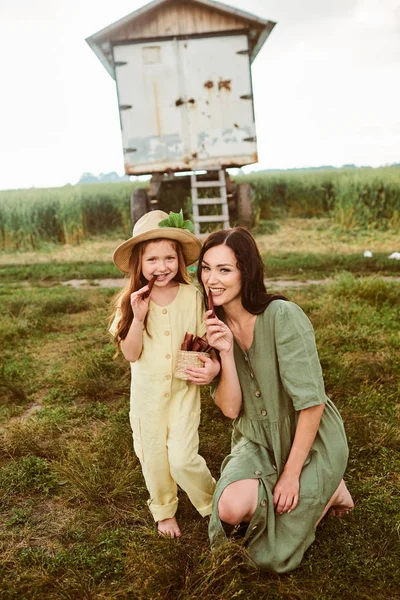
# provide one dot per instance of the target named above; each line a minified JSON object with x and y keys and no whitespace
{"x":183,"y":76}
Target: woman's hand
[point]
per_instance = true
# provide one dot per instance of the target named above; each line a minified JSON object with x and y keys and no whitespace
{"x":204,"y":375}
{"x":219,"y":336}
{"x":140,"y":305}
{"x":286,"y":493}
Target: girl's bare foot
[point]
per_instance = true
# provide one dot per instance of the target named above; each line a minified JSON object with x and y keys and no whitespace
{"x":343,"y":502}
{"x":169,"y":527}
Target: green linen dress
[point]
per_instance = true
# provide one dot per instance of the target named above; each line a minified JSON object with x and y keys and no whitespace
{"x":279,"y":376}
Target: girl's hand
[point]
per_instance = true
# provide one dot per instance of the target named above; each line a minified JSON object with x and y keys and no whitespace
{"x":286,"y":493}
{"x":219,"y":336}
{"x":204,"y":375}
{"x":140,"y":305}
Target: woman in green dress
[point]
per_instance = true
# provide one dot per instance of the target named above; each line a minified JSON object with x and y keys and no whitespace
{"x":289,"y":449}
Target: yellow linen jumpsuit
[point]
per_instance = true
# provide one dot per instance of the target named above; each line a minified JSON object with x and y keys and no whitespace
{"x":165,"y":411}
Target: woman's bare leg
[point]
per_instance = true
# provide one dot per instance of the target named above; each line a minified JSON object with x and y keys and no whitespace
{"x":238,"y":501}
{"x":340,"y":504}
{"x":169,"y":527}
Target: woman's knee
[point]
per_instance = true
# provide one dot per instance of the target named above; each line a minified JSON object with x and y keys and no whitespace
{"x":229,"y":513}
{"x":238,"y":501}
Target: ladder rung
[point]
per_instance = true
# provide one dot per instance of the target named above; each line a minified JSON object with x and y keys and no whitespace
{"x":204,"y":201}
{"x":210,"y":218}
{"x":205,"y":184}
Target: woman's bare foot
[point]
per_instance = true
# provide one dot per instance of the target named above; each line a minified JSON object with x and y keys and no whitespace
{"x":169,"y":527}
{"x":342,"y":503}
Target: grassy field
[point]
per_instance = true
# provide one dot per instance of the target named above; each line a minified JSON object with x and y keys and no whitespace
{"x":73,"y":521}
{"x":353,"y":198}
{"x":296,"y":249}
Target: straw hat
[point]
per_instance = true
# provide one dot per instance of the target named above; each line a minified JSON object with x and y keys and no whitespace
{"x":147,"y":228}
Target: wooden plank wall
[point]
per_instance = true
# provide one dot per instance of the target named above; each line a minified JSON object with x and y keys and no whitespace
{"x":178,"y":18}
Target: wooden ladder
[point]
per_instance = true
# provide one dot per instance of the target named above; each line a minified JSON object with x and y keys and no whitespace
{"x":221,"y":199}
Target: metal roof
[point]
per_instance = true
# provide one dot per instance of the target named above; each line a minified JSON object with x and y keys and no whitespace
{"x":101,"y":41}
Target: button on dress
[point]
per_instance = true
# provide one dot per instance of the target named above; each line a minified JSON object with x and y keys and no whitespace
{"x":287,"y":378}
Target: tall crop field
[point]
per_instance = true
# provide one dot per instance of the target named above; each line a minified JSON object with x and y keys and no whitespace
{"x":354,"y":198}
{"x":362,"y":198}
{"x":31,"y":218}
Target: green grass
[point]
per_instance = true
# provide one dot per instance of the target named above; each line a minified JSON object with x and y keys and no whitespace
{"x":26,"y":475}
{"x":74,"y":523}
{"x":50,"y":272}
{"x":294,"y":265}
{"x":314,"y":266}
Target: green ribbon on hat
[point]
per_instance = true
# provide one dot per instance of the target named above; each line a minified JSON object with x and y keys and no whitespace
{"x":177,"y":220}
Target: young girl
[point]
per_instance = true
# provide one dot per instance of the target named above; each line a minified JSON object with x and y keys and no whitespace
{"x":149,"y":329}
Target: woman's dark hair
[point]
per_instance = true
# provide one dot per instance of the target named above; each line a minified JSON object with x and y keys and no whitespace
{"x":255,"y":297}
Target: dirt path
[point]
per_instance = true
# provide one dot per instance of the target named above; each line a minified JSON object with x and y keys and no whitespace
{"x":117,"y":283}
{"x":270,"y":283}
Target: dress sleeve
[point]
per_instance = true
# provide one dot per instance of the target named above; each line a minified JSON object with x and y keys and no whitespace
{"x":299,"y":365}
{"x":114,"y":325}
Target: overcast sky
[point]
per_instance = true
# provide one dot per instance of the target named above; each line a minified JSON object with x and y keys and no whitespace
{"x":326,"y":86}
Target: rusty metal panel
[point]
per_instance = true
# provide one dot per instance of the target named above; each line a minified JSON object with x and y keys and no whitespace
{"x":217,"y":79}
{"x":152,"y":129}
{"x":185,"y":104}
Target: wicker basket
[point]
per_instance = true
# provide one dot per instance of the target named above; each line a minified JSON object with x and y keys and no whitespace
{"x":187,"y":359}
